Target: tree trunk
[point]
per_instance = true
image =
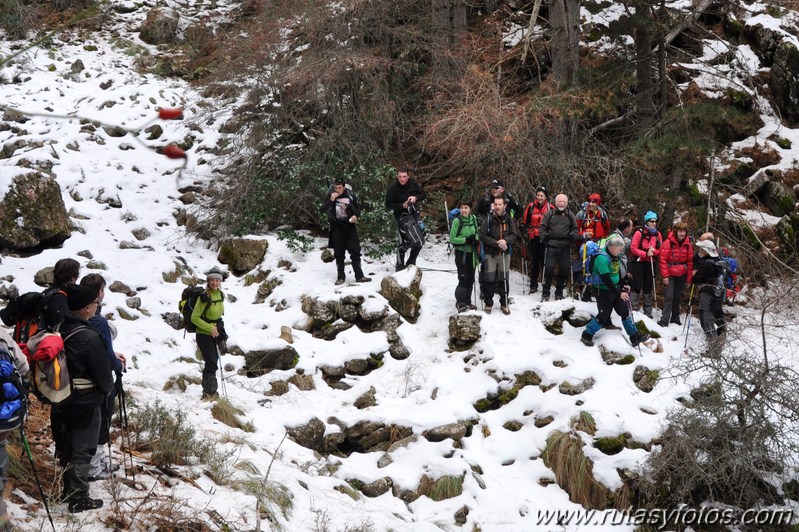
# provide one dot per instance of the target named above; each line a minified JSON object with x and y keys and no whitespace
{"x":645,"y":87}
{"x":439,"y":33}
{"x":564,"y":18}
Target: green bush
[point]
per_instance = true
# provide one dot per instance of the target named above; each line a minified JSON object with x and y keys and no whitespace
{"x":15,"y":19}
{"x":169,"y":438}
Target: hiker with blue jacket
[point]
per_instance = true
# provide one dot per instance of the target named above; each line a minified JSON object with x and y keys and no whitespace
{"x":21,"y":364}
{"x":343,"y":210}
{"x":90,"y":375}
{"x":611,"y":294}
{"x":463,"y":236}
{"x":99,"y":467}
{"x":207,"y":318}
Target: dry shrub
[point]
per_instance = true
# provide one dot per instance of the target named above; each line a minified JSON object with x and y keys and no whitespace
{"x":440,"y":489}
{"x":574,"y":472}
{"x":225,"y":412}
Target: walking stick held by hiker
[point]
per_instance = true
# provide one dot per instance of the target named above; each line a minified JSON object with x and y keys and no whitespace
{"x":524,"y":263}
{"x":449,"y":227}
{"x":654,"y":286}
{"x":27,"y":448}
{"x":687,"y":326}
{"x":123,"y":417}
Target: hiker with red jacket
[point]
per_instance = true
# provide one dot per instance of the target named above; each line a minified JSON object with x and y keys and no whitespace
{"x":644,"y":249}
{"x":592,"y":220}
{"x":676,"y":265}
{"x":530,"y":228}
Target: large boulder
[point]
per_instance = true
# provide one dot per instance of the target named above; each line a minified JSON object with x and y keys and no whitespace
{"x":784,"y":81}
{"x":32,"y":214}
{"x":309,"y":435}
{"x":464,"y":331}
{"x":160,"y":26}
{"x":402,"y":291}
{"x":281,"y":356}
{"x":779,"y":198}
{"x":242,"y":254}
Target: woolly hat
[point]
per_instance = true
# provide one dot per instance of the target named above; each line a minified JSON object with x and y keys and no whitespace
{"x":215,"y":273}
{"x":650,"y":215}
{"x":708,"y":246}
{"x":544,"y":190}
{"x":496,"y":183}
{"x":79,"y":296}
{"x":596,"y":197}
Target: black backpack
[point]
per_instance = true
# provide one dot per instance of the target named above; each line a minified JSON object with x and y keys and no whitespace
{"x":722,"y":273}
{"x":13,"y":399}
{"x":188,"y":300}
{"x":26,"y":313}
{"x":409,"y":228}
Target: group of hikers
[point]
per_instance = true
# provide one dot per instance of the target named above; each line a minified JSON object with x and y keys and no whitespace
{"x":617,"y":265}
{"x":62,"y":349}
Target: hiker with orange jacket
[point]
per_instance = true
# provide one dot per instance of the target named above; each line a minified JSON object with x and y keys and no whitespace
{"x":530,"y":228}
{"x":676,"y":265}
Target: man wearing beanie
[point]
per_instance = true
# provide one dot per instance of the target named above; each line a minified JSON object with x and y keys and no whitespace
{"x":90,"y":374}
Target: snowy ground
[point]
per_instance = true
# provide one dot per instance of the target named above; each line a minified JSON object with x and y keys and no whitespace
{"x":433,"y":387}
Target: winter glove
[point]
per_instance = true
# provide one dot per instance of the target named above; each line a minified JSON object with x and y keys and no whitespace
{"x":471,"y":240}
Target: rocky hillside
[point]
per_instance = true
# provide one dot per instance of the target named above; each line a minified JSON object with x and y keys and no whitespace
{"x":365,"y":407}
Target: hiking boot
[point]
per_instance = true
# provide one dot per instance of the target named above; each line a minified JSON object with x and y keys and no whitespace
{"x":462,"y":307}
{"x":676,"y":321}
{"x":648,"y":314}
{"x":488,"y":309}
{"x":84,"y":503}
{"x":663,"y":323}
{"x":611,"y":327}
{"x":472,"y":307}
{"x":339,"y":281}
{"x":363,"y":279}
{"x":533,"y":288}
{"x":544,"y":298}
{"x":587,"y":339}
{"x":399,"y":267}
{"x":209,"y":396}
{"x":558,"y":297}
{"x":638,"y":338}
{"x":505,"y":310}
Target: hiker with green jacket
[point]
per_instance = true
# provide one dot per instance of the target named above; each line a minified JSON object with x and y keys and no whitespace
{"x":463,"y":237}
{"x":612,"y":294}
{"x":207,"y":317}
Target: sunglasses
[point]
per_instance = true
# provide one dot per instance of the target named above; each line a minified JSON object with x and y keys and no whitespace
{"x":652,"y":222}
{"x":592,"y":201}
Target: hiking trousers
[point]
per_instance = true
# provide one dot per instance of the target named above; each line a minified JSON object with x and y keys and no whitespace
{"x":556,"y":256}
{"x":673,"y":298}
{"x":82,"y":425}
{"x":536,"y":251}
{"x":606,"y":303}
{"x":464,"y":262}
{"x":496,"y":269}
{"x":345,"y":240}
{"x":207,"y":346}
{"x":711,"y":315}
{"x":643,"y":281}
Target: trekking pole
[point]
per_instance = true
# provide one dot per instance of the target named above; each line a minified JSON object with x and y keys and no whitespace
{"x":219,"y":363}
{"x":107,"y":415}
{"x":524,"y":264}
{"x":449,"y":227}
{"x":630,"y":308}
{"x":506,"y":265}
{"x":123,"y":416}
{"x":687,"y":327}
{"x":35,"y":473}
{"x":654,"y":286}
{"x":571,"y":271}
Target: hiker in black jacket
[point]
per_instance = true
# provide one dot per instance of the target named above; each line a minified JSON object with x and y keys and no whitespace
{"x":711,"y":297}
{"x":558,"y":230}
{"x":55,"y":306}
{"x":91,"y":378}
{"x":342,"y":208}
{"x":496,"y":190}
{"x":498,"y":234}
{"x":402,"y":196}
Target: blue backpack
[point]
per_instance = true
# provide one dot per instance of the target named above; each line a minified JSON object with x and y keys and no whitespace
{"x":588,"y":252}
{"x":13,"y":399}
